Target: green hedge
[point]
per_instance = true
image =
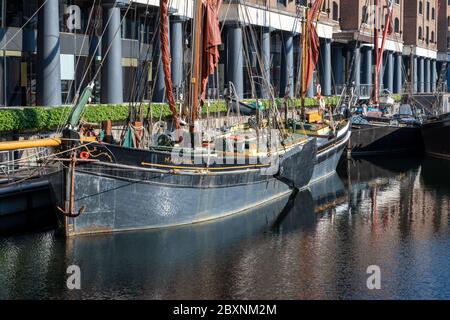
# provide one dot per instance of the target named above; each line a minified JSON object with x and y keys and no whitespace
{"x":41,"y":118}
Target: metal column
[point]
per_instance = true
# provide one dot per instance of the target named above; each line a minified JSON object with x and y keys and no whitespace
{"x":326,"y":67}
{"x":398,"y":73}
{"x":338,"y":69}
{"x":421,"y":71}
{"x":236,"y":57}
{"x":176,"y":49}
{"x":112,"y":71}
{"x":287,"y":66}
{"x":389,"y":72}
{"x":265,"y":57}
{"x":48,"y":77}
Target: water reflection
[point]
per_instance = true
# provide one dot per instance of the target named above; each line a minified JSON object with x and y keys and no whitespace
{"x":314,"y":245}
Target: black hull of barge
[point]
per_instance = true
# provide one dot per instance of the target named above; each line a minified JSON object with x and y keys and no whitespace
{"x":370,"y":139}
{"x":436,"y":137}
{"x":125,"y":194}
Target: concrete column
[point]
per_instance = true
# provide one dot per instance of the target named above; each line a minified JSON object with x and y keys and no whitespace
{"x":367,"y":66}
{"x":326,"y":67}
{"x":448,"y":79}
{"x":287,"y":65}
{"x":159,"y":93}
{"x":381,"y":75}
{"x":357,"y":68}
{"x":176,"y":51}
{"x":48,"y":77}
{"x":265,"y":57}
{"x":338,"y":69}
{"x":398,"y":73}
{"x":427,"y":75}
{"x":421,"y":74}
{"x":112,"y":71}
{"x":433,"y":75}
{"x":2,"y":81}
{"x":415,"y":75}
{"x":236,"y":57}
{"x":389,"y":72}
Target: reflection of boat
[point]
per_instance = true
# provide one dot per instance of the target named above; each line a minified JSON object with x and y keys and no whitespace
{"x":141,"y":262}
{"x":328,"y":194}
{"x":301,"y":212}
{"x":435,"y":173}
{"x":362,"y":170}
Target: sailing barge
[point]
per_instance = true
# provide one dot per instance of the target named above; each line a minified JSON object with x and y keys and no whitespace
{"x":378,"y":128}
{"x":185,"y":176}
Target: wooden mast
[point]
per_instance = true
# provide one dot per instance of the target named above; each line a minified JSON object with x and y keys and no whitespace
{"x":376,"y":89}
{"x":196,"y":62}
{"x":379,"y":50}
{"x":304,"y":85}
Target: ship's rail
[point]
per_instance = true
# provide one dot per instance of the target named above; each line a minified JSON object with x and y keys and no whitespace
{"x":21,"y":162}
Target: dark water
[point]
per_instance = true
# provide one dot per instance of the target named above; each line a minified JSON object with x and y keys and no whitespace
{"x":392,"y":213}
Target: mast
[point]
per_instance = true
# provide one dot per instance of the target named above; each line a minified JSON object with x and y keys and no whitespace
{"x":305,"y":49}
{"x":379,"y":50}
{"x":310,"y":46}
{"x":165,"y":54}
{"x":376,"y":89}
{"x":196,"y":62}
{"x":412,"y":71}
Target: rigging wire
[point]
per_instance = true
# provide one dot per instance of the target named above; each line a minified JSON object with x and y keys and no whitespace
{"x":23,"y":26}
{"x":81,"y":48}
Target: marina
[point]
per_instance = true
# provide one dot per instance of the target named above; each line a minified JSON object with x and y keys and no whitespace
{"x":204,"y":152}
{"x":390,"y":213}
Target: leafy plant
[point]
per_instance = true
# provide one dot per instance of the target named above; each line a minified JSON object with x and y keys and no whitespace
{"x":45,"y":118}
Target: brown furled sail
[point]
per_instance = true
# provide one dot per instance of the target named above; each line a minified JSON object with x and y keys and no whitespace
{"x":211,"y":41}
{"x":166,"y":58}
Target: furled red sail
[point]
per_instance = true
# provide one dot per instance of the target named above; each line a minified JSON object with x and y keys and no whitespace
{"x":311,"y":46}
{"x":166,"y":59}
{"x":211,"y":41}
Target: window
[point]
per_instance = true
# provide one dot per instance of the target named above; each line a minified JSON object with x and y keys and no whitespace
{"x":397,"y":25}
{"x":420,"y":33}
{"x":428,"y":11}
{"x":335,"y":11}
{"x":420,"y":7}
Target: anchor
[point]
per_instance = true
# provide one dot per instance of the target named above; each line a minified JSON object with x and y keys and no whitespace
{"x":69,"y":210}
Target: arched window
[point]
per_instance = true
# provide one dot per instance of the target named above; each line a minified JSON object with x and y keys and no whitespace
{"x":432,"y":36}
{"x":420,"y":7}
{"x":335,"y":11}
{"x":420,"y":33}
{"x":397,"y":25}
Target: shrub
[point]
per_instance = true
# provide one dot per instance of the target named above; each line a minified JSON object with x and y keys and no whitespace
{"x":46,"y":118}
